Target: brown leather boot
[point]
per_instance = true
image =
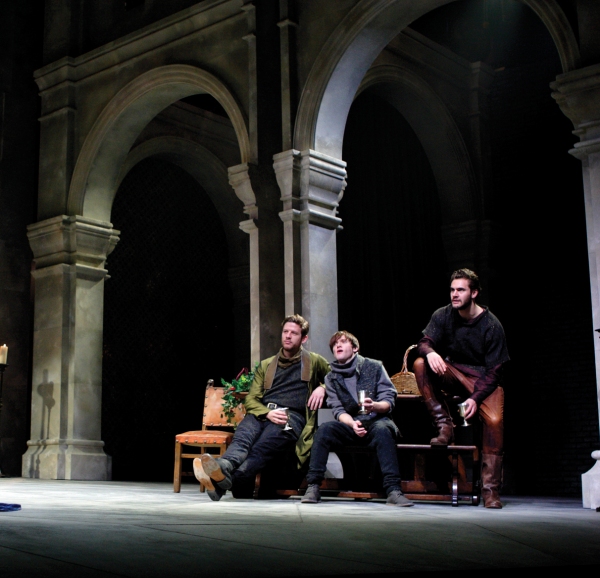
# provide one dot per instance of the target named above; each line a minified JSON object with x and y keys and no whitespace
{"x":441,"y":418}
{"x":491,"y":474}
{"x":443,"y":422}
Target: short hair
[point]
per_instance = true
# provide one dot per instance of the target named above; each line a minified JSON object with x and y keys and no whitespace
{"x":470,"y":276}
{"x":298,"y":320}
{"x":339,"y":334}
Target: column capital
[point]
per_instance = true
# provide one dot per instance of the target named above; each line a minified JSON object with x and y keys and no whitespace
{"x":72,"y":240}
{"x":239,"y":179}
{"x":287,"y":166}
{"x":323,"y":180}
{"x":578,"y":95}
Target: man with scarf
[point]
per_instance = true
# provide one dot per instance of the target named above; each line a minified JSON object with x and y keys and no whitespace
{"x":287,"y":389}
{"x":350,"y":374}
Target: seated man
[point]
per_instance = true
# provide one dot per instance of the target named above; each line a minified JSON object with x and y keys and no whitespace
{"x":463,"y":351}
{"x":350,"y":374}
{"x":287,"y":389}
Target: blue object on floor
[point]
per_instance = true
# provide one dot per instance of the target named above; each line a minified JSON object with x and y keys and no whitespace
{"x":9,"y":507}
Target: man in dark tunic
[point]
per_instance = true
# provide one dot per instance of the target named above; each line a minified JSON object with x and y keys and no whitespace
{"x":462,"y":352}
{"x":350,"y":375}
{"x":287,"y":389}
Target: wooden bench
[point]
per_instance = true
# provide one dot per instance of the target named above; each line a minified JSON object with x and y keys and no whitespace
{"x":458,"y":488}
{"x":447,"y":474}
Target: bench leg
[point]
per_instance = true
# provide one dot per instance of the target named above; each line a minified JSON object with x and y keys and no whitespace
{"x":454,"y":479}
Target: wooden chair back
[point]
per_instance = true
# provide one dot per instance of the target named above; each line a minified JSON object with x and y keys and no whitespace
{"x":213,"y":415}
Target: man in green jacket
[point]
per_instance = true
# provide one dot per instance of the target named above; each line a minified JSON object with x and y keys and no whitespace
{"x":281,"y":409}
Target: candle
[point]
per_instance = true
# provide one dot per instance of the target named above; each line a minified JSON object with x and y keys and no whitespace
{"x":3,"y":354}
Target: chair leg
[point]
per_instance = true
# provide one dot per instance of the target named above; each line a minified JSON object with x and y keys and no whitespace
{"x":177,"y":472}
{"x":202,"y":489}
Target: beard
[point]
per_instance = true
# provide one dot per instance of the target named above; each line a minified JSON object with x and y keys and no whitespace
{"x":463,"y":306}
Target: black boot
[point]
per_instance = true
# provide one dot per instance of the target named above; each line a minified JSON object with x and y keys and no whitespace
{"x":312,"y":495}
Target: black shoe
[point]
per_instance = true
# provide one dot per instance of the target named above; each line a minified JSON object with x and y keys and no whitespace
{"x":397,"y":498}
{"x":312,"y":495}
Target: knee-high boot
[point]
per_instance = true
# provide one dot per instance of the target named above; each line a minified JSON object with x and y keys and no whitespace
{"x":491,"y":476}
{"x":443,"y":423}
{"x":441,"y":418}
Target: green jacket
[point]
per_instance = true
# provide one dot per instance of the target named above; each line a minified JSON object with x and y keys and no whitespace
{"x":314,"y":369}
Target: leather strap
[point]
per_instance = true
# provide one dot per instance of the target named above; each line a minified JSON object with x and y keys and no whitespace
{"x":306,"y":362}
{"x":270,"y":374}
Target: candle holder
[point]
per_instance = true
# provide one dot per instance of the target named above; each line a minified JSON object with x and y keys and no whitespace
{"x":3,"y":366}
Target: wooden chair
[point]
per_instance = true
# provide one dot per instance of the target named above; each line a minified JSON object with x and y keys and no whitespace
{"x":208,"y":436}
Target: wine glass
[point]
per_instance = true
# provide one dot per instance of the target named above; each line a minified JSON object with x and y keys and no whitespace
{"x":462,"y":410}
{"x":361,"y":402}
{"x":287,"y":425}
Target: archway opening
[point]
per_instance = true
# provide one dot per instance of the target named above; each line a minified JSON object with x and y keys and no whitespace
{"x":167,"y":317}
{"x":390,"y":255}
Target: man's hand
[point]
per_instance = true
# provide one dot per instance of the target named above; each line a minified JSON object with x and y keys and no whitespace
{"x":356,"y":425}
{"x":470,"y":408}
{"x":436,"y":363}
{"x":277,"y":416}
{"x":359,"y":430}
{"x":376,"y":406}
{"x":315,"y":401}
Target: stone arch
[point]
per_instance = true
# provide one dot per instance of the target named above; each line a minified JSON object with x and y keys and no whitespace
{"x":355,"y":43}
{"x":210,"y":173}
{"x":97,"y":169}
{"x":551,"y":14}
{"x":441,"y":139}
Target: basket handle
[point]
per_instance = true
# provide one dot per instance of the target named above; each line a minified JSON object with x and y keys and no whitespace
{"x":404,"y":368}
{"x":243,"y":370}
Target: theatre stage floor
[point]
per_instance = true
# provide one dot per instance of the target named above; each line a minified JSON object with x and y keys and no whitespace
{"x":93,"y":529}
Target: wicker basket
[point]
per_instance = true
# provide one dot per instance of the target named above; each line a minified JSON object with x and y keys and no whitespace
{"x":405,"y":381}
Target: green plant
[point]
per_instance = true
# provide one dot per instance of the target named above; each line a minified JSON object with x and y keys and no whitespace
{"x":233,"y":396}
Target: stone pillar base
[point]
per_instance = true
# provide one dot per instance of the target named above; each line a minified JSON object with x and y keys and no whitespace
{"x":590,"y":484}
{"x":64,"y":459}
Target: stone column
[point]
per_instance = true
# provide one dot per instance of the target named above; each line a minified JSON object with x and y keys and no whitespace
{"x":578,"y":95}
{"x":288,"y":62}
{"x":250,"y":38}
{"x":239,"y":179}
{"x":312,"y":185}
{"x":287,"y":171}
{"x":66,"y":401}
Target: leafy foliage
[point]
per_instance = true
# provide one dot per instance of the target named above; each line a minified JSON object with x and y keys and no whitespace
{"x":232,"y":397}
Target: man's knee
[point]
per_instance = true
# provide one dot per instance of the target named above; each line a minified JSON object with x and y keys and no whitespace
{"x":326,"y":431}
{"x":492,"y":414}
{"x":382,"y":429}
{"x":493,"y":420}
{"x":419,"y":366}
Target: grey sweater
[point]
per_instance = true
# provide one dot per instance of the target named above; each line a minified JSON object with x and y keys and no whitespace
{"x":344,"y":380}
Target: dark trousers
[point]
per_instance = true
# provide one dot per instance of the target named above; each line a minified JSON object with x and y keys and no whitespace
{"x":455,"y":382}
{"x":255,"y":444}
{"x":334,"y":435}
